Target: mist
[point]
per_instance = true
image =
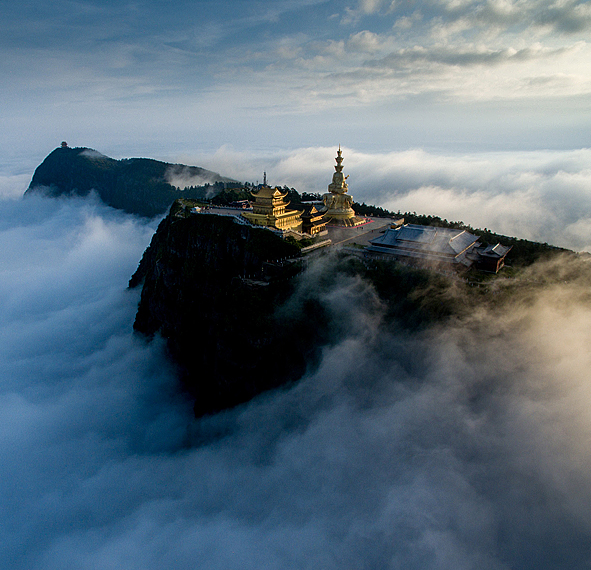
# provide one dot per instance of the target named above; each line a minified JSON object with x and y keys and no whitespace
{"x":541,"y":196}
{"x":182,"y":177}
{"x":461,"y":446}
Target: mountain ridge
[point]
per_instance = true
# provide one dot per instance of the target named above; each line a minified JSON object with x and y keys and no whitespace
{"x":142,"y":186}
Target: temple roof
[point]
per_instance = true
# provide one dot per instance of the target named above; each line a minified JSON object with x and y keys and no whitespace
{"x":497,"y":250}
{"x":428,"y":239}
{"x":268,"y":192}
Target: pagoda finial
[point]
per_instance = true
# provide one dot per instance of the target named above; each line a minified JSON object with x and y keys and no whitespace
{"x":339,"y":159}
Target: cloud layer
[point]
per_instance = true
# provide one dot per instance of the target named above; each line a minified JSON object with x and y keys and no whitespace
{"x":542,"y":196}
{"x":463,"y":447}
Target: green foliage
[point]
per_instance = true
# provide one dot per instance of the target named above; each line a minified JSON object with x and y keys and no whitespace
{"x":314,"y":197}
{"x":413,"y":297}
{"x":226,"y":197}
{"x":368,"y":210}
{"x":293,"y":195}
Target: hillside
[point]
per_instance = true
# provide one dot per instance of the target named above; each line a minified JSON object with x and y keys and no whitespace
{"x":222,"y":328}
{"x":242,"y":312}
{"x":141,"y":186}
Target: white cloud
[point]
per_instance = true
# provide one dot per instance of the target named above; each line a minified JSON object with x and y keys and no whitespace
{"x":13,"y":186}
{"x":463,"y":447}
{"x":370,"y":6}
{"x":364,"y":41}
{"x":219,"y":73}
{"x":543,"y":196}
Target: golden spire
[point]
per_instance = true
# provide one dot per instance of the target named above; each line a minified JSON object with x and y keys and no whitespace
{"x":339,"y":159}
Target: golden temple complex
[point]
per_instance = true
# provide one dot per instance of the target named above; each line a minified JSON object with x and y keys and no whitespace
{"x":339,"y":205}
{"x":269,"y":208}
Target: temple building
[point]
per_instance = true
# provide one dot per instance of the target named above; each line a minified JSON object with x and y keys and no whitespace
{"x":337,"y":203}
{"x":492,"y":257}
{"x":313,"y":222}
{"x":270,"y":210}
{"x":433,"y":245}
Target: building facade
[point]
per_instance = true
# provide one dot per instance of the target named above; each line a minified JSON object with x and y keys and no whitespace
{"x":270,"y":209}
{"x":443,"y":246}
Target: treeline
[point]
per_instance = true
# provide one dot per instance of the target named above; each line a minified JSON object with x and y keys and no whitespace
{"x":225,"y":195}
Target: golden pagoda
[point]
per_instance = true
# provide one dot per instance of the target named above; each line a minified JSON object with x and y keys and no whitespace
{"x":339,"y":204}
{"x":270,"y":209}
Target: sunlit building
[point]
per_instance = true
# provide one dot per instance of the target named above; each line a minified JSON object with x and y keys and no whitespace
{"x":313,"y":222}
{"x":270,"y":209}
{"x":338,"y":205}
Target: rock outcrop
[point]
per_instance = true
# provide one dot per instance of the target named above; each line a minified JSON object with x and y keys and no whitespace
{"x":212,"y":289}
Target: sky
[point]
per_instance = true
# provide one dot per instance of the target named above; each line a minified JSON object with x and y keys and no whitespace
{"x":473,"y":110}
{"x":158,"y":78}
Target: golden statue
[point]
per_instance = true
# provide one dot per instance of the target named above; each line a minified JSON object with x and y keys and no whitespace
{"x":339,"y":204}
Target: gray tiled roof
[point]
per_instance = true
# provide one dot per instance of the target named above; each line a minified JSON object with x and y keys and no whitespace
{"x":425,"y":241}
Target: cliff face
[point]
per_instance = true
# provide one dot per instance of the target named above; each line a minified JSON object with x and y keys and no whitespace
{"x":224,"y":331}
{"x":136,"y":185}
{"x":237,"y":322}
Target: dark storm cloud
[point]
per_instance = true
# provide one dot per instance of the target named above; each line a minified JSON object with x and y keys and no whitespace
{"x":462,"y":447}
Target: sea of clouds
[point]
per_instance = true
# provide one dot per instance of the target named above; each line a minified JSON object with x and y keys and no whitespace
{"x":543,"y":196}
{"x":463,"y":447}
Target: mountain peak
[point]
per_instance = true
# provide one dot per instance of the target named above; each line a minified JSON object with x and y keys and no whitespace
{"x":142,"y":186}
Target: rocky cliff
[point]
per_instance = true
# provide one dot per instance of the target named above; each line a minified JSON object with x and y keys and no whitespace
{"x":140,"y":186}
{"x":212,"y":288}
{"x":241,"y":312}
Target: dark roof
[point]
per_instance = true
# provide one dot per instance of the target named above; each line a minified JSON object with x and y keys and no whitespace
{"x":425,"y":241}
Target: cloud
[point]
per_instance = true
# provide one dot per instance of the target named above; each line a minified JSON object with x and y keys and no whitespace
{"x":13,"y":186}
{"x":568,"y":17}
{"x":181,"y":177}
{"x":542,"y":196}
{"x":460,"y":56}
{"x":87,"y":71}
{"x":370,"y":6}
{"x":91,"y":153}
{"x":364,"y":41}
{"x":463,"y":446}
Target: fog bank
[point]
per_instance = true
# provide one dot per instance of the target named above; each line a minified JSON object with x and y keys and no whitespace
{"x":461,"y":447}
